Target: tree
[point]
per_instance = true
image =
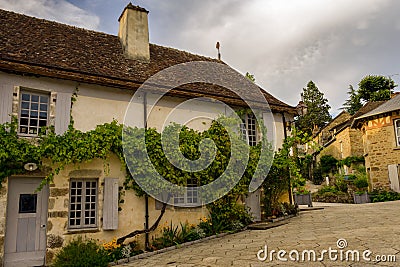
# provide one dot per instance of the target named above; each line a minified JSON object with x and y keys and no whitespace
{"x":353,"y":103}
{"x":375,"y":88}
{"x":317,"y":109}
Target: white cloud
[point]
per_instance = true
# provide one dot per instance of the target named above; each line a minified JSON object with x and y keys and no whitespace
{"x":287,"y":43}
{"x":56,"y":10}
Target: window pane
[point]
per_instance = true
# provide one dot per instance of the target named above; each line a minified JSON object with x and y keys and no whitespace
{"x":43,"y":107}
{"x":35,"y":98}
{"x":33,"y":122}
{"x":23,"y":121}
{"x":44,"y":99}
{"x":43,"y":115}
{"x":42,"y":123}
{"x":27,"y":203}
{"x":34,"y":114}
{"x":25,"y":113}
{"x":23,"y":130}
{"x":26,"y":97}
{"x":25,"y":105}
{"x":32,"y":130}
{"x":34,"y":106}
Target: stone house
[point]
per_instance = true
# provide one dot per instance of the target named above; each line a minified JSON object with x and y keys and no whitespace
{"x":381,"y":142}
{"x":42,"y":65}
{"x":340,"y":140}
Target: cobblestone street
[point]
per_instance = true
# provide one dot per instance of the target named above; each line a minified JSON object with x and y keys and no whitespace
{"x":373,"y":227}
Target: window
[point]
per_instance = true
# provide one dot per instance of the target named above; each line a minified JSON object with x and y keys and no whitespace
{"x":34,"y":109}
{"x":190,"y":196}
{"x":83,"y":203}
{"x":397,"y":131}
{"x":248,"y":129}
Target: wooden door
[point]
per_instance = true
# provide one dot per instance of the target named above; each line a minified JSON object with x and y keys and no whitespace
{"x":25,"y":240}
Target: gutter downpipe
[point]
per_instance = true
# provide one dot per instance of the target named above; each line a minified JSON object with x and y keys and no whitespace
{"x":146,"y":196}
{"x":285,"y":136}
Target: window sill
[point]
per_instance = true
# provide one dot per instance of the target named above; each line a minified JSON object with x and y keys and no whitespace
{"x":396,"y":148}
{"x":82,"y":231}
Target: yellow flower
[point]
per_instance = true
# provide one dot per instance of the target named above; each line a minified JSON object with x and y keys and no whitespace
{"x":204,"y":219}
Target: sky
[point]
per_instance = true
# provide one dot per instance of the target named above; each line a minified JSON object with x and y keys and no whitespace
{"x":283,"y":43}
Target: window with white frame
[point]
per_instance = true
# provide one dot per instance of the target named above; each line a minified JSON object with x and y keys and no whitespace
{"x":83,"y":203}
{"x":248,"y":128}
{"x":397,"y":131}
{"x":191,"y":194}
{"x":33,"y":113}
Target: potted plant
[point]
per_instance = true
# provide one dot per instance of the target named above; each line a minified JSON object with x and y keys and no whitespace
{"x":303,"y":197}
{"x":361,"y":195}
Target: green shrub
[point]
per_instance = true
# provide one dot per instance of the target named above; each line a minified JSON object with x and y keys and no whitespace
{"x":341,"y":184}
{"x":328,"y":164}
{"x":317,"y":175}
{"x":327,"y":188}
{"x":361,"y":183}
{"x":82,"y":253}
{"x":380,"y":195}
{"x":174,"y":235}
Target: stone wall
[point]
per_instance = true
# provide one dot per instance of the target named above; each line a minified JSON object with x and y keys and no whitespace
{"x":347,"y":143}
{"x":381,"y":150}
{"x":131,"y":214}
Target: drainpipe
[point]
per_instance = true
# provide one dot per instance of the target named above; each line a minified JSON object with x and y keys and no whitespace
{"x":285,"y":136}
{"x":146,"y":197}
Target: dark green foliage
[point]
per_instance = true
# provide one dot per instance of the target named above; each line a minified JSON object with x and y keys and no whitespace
{"x":284,"y":209}
{"x":276,"y":183}
{"x":375,"y":88}
{"x":328,"y":164}
{"x":82,"y":253}
{"x":328,"y":188}
{"x":352,"y":159}
{"x":361,"y":183}
{"x":341,"y":184}
{"x":381,"y":195}
{"x":226,"y":213}
{"x":353,"y":103}
{"x":318,"y":178}
{"x":317,"y":109}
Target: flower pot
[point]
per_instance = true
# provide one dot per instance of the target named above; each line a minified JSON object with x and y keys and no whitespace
{"x":303,"y":199}
{"x":361,"y":199}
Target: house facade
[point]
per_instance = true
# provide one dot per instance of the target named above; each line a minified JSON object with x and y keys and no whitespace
{"x":45,"y":65}
{"x":340,"y":140}
{"x":381,"y":141}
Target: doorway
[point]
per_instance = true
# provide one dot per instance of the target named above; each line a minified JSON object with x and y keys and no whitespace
{"x":25,"y":239}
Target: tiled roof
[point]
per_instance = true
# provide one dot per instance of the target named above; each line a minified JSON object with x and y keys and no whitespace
{"x":46,"y":48}
{"x":388,"y":106}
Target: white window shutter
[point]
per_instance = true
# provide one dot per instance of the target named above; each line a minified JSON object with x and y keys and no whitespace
{"x":6,"y":101}
{"x":62,"y":116}
{"x":110,"y":205}
{"x":394,"y":177}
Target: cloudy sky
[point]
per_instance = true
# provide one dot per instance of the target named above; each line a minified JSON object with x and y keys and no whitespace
{"x":284,"y":43}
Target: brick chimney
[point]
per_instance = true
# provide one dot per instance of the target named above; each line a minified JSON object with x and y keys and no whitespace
{"x":134,"y":32}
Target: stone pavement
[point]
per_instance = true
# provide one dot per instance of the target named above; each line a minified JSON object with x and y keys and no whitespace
{"x":374,"y":227}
